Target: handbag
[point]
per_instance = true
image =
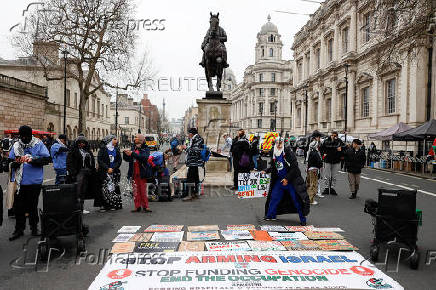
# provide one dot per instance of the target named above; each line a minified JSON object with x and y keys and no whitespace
{"x":12,"y":189}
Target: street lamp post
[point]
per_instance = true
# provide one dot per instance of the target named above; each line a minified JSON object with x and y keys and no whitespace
{"x":275,"y":115}
{"x":346,"y":102}
{"x":305,"y":109}
{"x":65,"y":52}
{"x":140,"y":117}
{"x":116,"y":113}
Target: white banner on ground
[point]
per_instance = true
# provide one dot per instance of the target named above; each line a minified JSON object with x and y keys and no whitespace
{"x":242,"y":270}
{"x":254,"y":184}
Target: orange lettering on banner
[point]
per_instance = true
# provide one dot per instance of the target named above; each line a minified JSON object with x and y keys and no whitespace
{"x":208,"y":259}
{"x":224,"y":259}
{"x":192,"y":259}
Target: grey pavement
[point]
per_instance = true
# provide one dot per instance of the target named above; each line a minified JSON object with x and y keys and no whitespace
{"x":219,"y":206}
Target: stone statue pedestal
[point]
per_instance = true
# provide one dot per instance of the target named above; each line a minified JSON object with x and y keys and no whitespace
{"x":213,"y":120}
{"x":215,"y":95}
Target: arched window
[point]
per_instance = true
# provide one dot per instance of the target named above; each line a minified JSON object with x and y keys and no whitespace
{"x":271,"y":38}
{"x":271,"y":52}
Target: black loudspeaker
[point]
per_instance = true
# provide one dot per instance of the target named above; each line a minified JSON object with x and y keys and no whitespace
{"x":61,"y":198}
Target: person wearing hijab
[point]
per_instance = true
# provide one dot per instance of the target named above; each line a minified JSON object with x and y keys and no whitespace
{"x":287,"y":193}
{"x":109,"y":161}
{"x":29,"y":155}
{"x":139,"y":171}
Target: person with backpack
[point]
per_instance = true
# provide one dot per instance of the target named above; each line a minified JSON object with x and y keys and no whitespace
{"x":242,"y":160}
{"x":194,"y":160}
{"x":287,"y":191}
{"x":175,"y":149}
{"x":354,"y":162}
{"x":139,"y":171}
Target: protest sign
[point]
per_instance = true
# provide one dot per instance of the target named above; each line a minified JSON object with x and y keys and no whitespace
{"x":121,"y":238}
{"x":123,"y":248}
{"x":261,"y":235}
{"x":129,"y":229}
{"x":191,"y":247}
{"x":276,"y":236}
{"x":227,"y":246}
{"x":203,"y":228}
{"x":232,"y":235}
{"x":203,"y":236}
{"x":150,"y":247}
{"x":273,"y":228}
{"x":335,"y":245}
{"x":323,"y":236}
{"x":167,"y":237}
{"x":240,"y":227}
{"x":164,"y":228}
{"x":141,"y":237}
{"x":315,"y":229}
{"x":243,"y":270}
{"x":266,"y":246}
{"x":252,"y":185}
{"x":299,"y":228}
{"x":301,"y":245}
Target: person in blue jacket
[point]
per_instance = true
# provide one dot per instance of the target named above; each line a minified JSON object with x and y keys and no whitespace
{"x":58,"y":152}
{"x":29,"y":155}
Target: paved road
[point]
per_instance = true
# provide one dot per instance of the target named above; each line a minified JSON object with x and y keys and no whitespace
{"x":220,"y":207}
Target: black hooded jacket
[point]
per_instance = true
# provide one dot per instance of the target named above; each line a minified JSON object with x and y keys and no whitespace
{"x":330,"y":148}
{"x":104,"y":161}
{"x":75,"y":160}
{"x":294,"y":177}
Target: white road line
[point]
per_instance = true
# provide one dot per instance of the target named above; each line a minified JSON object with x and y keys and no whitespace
{"x":401,"y":186}
{"x":364,"y":177}
{"x":381,"y":181}
{"x":426,"y":192}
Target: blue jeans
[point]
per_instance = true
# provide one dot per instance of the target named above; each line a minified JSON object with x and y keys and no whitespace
{"x":61,"y":173}
{"x":276,"y":196}
{"x":255,"y":160}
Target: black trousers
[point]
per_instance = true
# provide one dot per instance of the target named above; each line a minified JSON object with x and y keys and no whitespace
{"x":26,"y":201}
{"x":192,"y":180}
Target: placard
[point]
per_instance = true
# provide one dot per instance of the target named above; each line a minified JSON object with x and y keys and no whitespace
{"x":203,"y":228}
{"x":167,"y":237}
{"x":273,"y":228}
{"x":323,"y":236}
{"x":242,"y":270}
{"x":261,"y":235}
{"x":203,"y":236}
{"x":129,"y":229}
{"x":227,"y":246}
{"x":233,"y":235}
{"x":123,"y":248}
{"x":276,"y":236}
{"x":164,"y":228}
{"x":252,"y":185}
{"x":299,"y":228}
{"x":141,"y":237}
{"x":266,"y":246}
{"x":240,"y":227}
{"x":191,"y":246}
{"x":122,"y":238}
{"x":151,"y":247}
{"x":335,"y":245}
{"x":301,"y":245}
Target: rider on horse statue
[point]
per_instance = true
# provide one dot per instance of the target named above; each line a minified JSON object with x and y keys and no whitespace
{"x":221,"y":34}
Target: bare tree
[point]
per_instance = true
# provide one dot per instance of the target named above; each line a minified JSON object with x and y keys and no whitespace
{"x":98,"y":39}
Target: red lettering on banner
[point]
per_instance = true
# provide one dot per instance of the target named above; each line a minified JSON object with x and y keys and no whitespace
{"x":362,"y":271}
{"x":119,"y":274}
{"x":208,"y":259}
{"x":192,"y":259}
{"x":268,"y":259}
{"x":224,"y":259}
{"x":344,"y":272}
{"x":248,"y":258}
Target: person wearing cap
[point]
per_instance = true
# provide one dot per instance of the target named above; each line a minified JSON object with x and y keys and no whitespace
{"x":354,"y":162}
{"x":29,"y":155}
{"x":287,"y":193}
{"x":314,"y":165}
{"x":58,"y":153}
{"x":332,"y":150}
{"x":193,"y":161}
{"x":139,"y":171}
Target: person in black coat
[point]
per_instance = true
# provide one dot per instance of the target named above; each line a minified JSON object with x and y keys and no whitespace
{"x":109,"y":162}
{"x":242,"y":159}
{"x":193,"y":161}
{"x":332,"y":149}
{"x":287,"y":192}
{"x":254,"y":151}
{"x":354,"y":162}
{"x":81,"y":169}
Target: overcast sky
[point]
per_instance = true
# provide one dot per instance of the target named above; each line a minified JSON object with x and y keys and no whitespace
{"x":175,"y":51}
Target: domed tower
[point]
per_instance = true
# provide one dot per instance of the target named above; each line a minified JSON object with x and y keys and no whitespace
{"x":269,"y":45}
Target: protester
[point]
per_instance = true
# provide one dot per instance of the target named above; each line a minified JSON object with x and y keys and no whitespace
{"x":175,"y":149}
{"x":58,"y":152}
{"x":193,"y":161}
{"x":81,"y":169}
{"x":29,"y":155}
{"x":226,"y":149}
{"x":109,"y":162}
{"x":332,"y":150}
{"x":287,"y":192}
{"x":372,"y":149}
{"x":354,"y":162}
{"x":254,"y":151}
{"x":314,"y":165}
{"x":242,"y":162}
{"x":139,"y":171}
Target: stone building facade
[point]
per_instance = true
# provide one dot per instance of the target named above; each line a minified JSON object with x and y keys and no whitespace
{"x":261,"y":102}
{"x":131,"y":117}
{"x":21,"y":103}
{"x":380,"y":94}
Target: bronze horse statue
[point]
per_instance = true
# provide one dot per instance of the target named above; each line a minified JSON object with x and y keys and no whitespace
{"x":215,"y":55}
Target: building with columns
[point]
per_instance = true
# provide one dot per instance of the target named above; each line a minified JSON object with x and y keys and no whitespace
{"x":341,"y":41}
{"x":261,"y":102}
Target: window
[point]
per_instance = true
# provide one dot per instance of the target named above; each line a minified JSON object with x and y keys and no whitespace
{"x":107,"y":112}
{"x":75,"y":100}
{"x":272,"y":91}
{"x":273,"y":77}
{"x":263,"y":51}
{"x":298,"y":117}
{"x":330,"y":49}
{"x":367,"y":27}
{"x":87,"y":107}
{"x":365,"y":102}
{"x":67,"y":98}
{"x":259,"y":123}
{"x":307,"y":70}
{"x":345,"y":40}
{"x":300,"y":70}
{"x":342,"y":107}
{"x":102,"y":110}
{"x":272,"y":107}
{"x":261,"y":92}
{"x":98,"y":107}
{"x":261,"y":77}
{"x":93,"y":107}
{"x":261,"y":108}
{"x":271,"y":38}
{"x":273,"y":125}
{"x":315,"y":112}
{"x":318,"y":57}
{"x":271,"y":52}
{"x":126,"y":120}
{"x":390,"y":96}
{"x":328,"y":104}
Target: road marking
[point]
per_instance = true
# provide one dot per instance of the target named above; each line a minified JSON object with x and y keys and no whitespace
{"x":364,"y":177}
{"x":381,"y":181}
{"x":402,"y":186}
